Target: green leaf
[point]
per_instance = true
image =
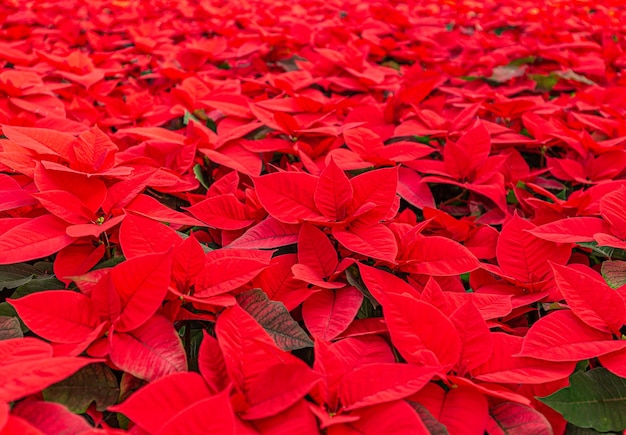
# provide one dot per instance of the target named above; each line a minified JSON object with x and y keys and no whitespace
{"x":570,"y":429}
{"x":595,"y":399}
{"x":275,"y":319}
{"x":614,"y":273}
{"x":545,"y":83}
{"x":197,"y":171}
{"x":38,"y":285}
{"x":10,"y":328}
{"x":93,"y":383}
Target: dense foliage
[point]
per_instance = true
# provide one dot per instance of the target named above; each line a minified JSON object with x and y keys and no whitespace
{"x":340,"y":217}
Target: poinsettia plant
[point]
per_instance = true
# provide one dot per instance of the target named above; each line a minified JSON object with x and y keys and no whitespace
{"x":273,"y":217}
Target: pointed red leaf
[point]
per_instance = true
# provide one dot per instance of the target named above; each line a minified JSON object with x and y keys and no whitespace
{"x":376,"y":241}
{"x":22,"y":378}
{"x":439,"y":256}
{"x":51,"y":418}
{"x":571,"y":230}
{"x":562,"y":336}
{"x":397,"y":418}
{"x":141,"y":284}
{"x":61,"y":316}
{"x":525,"y":257}
{"x":593,"y":301}
{"x":502,"y":367}
{"x":377,"y":187}
{"x":149,"y":352}
{"x":149,"y":207}
{"x":422,"y":334}
{"x":277,"y":388}
{"x":153,"y":405}
{"x":187,"y":261}
{"x":227,"y":269}
{"x":333,"y":192}
{"x":288,"y":196}
{"x":211,"y":364}
{"x":32,"y":239}
{"x":140,"y":236}
{"x":75,"y":260}
{"x":469,"y":152}
{"x":327,"y":313}
{"x":225,"y":212}
{"x":612,"y":208}
{"x":476,"y":345}
{"x":211,"y":415}
{"x":462,"y":410}
{"x":269,"y":233}
{"x":374,"y":384}
{"x":41,"y":140}
{"x":316,"y":251}
{"x":278,"y":282}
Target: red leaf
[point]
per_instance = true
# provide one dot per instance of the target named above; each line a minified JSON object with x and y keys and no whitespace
{"x":278,"y":282}
{"x":502,"y":367}
{"x":32,"y":239}
{"x":277,"y":388}
{"x":140,"y":236}
{"x":152,"y":406}
{"x":75,"y":260}
{"x":561,"y":336}
{"x":258,"y":368}
{"x":51,"y":418}
{"x":376,"y":241}
{"x":187,"y":261}
{"x":615,"y":362}
{"x":149,"y":352}
{"x":333,"y":192}
{"x":59,"y":316}
{"x":374,"y":384}
{"x":147,"y":206}
{"x":22,"y":378}
{"x":327,"y":313}
{"x":141,"y":284}
{"x":612,"y":208}
{"x":476,"y":345}
{"x":211,"y":415}
{"x":65,"y":206}
{"x":413,"y":190}
{"x":377,"y":187}
{"x":288,"y":196}
{"x":381,"y":283}
{"x":269,"y":233}
{"x":225,"y":212}
{"x":396,"y":418}
{"x":525,"y":257}
{"x":439,"y":256}
{"x":297,"y":419}
{"x":462,"y":410}
{"x":316,"y":251}
{"x":227,"y":269}
{"x":421,"y":333}
{"x":41,"y":140}
{"x":211,"y":364}
{"x":571,"y":230}
{"x":462,"y":157}
{"x":590,"y":298}
{"x":514,"y":419}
